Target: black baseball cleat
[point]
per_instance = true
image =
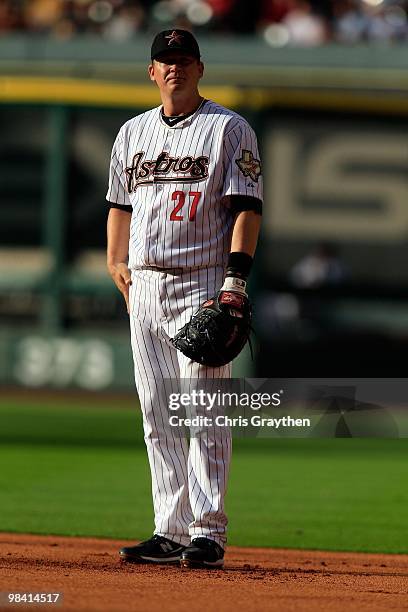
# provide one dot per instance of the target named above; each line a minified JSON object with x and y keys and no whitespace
{"x":202,"y":552}
{"x":156,"y":550}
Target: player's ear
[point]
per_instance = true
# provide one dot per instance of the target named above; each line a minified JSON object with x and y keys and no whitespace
{"x":201,"y":68}
{"x":150,"y":70}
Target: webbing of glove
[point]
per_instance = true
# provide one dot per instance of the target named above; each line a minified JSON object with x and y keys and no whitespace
{"x":218,"y":331}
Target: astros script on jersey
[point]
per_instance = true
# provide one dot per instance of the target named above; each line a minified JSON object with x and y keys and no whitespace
{"x":176,"y":178}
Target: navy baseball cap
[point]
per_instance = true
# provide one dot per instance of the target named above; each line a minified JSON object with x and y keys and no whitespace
{"x":175,"y":40}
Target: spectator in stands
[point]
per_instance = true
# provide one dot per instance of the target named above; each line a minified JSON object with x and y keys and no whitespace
{"x":275,"y":11}
{"x":361,"y":21}
{"x":125,"y":22}
{"x":305,"y":28}
{"x":40,"y":16}
{"x":10,"y":16}
{"x":322,"y":267}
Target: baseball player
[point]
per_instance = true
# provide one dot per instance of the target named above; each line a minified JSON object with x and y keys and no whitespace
{"x":185,"y":194}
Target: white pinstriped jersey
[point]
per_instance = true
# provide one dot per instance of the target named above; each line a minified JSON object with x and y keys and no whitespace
{"x":175,"y":179}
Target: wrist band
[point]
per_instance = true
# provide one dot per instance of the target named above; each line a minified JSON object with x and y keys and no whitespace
{"x":239,"y":264}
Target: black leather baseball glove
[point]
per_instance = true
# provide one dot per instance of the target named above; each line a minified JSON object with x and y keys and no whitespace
{"x":218,"y":331}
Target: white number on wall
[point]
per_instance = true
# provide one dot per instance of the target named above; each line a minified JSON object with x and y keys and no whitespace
{"x":61,"y":362}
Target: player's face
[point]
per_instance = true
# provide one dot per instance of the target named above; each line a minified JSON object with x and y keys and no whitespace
{"x":175,"y":71}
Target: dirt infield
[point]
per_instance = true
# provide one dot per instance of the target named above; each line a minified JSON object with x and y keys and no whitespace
{"x":90,"y":576}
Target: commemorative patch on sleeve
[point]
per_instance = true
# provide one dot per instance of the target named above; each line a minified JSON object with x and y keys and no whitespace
{"x":249,"y":165}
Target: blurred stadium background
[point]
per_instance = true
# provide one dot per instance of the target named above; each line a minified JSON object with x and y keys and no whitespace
{"x":324,"y":84}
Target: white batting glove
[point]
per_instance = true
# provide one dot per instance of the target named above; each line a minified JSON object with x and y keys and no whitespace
{"x":234,"y":284}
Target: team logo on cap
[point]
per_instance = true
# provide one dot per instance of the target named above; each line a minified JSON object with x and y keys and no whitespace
{"x":174,"y":38}
{"x":249,"y":165}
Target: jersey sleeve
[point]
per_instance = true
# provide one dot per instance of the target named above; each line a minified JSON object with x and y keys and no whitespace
{"x":117,"y":192}
{"x":242,"y":165}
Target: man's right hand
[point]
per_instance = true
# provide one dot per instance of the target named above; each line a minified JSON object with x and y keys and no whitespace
{"x":120,"y":274}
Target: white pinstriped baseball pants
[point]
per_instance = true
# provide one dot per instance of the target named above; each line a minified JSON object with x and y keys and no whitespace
{"x":189,"y":478}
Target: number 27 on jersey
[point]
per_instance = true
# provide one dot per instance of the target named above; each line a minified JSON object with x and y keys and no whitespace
{"x":177,"y":214}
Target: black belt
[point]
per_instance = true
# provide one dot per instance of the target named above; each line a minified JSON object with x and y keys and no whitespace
{"x":173,"y":271}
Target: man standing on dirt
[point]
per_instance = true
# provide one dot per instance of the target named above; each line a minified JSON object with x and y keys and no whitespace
{"x":185,"y":192}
